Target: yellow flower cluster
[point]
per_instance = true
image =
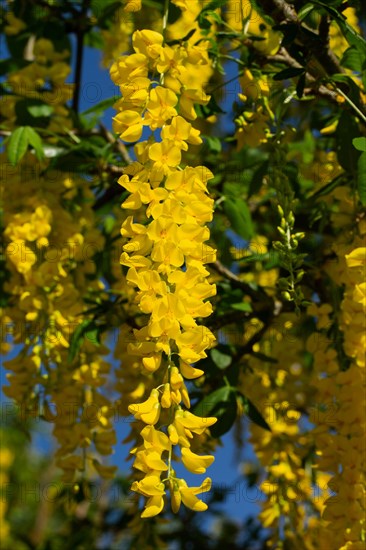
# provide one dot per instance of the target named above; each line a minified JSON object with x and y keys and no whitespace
{"x":166,"y":255}
{"x":253,"y":124}
{"x":6,"y":460}
{"x":337,"y":42}
{"x":340,"y":426}
{"x":342,"y":452}
{"x":242,"y":16}
{"x":117,"y":37}
{"x":279,"y":391}
{"x":43,"y":79}
{"x":50,"y":241}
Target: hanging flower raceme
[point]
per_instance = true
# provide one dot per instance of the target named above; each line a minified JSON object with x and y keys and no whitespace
{"x":43,"y":79}
{"x":166,"y":252}
{"x":339,"y":381}
{"x":48,"y":236}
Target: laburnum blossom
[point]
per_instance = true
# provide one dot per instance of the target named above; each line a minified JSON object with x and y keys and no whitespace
{"x":265,"y":39}
{"x":132,"y":5}
{"x":165,"y":250}
{"x":48,"y":299}
{"x":252,"y":129}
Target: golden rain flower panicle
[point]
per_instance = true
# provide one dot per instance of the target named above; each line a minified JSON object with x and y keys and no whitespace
{"x":166,"y":256}
{"x":49,"y":277}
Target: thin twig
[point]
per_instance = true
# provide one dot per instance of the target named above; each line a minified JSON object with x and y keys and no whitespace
{"x":118,"y":143}
{"x":257,"y":295}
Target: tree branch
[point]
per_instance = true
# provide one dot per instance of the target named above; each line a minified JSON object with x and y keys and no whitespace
{"x":282,"y":12}
{"x":117,"y":142}
{"x":261,"y":300}
{"x":284,"y":57}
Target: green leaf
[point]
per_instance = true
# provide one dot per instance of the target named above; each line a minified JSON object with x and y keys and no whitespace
{"x":257,"y":180}
{"x":109,"y":223}
{"x":32,"y":112}
{"x":346,"y":131}
{"x":92,"y":335}
{"x":214,"y":143}
{"x":239,"y":216}
{"x":226,"y":414}
{"x":352,"y":60}
{"x":327,"y":188}
{"x":353,"y":91}
{"x":215,"y":16}
{"x":40,"y":110}
{"x":359,"y":143}
{"x":100,"y":107}
{"x":305,"y":11}
{"x":213,"y":5}
{"x":209,"y":402}
{"x":222,"y":404}
{"x":94,"y":40}
{"x":78,"y":337}
{"x":352,"y":36}
{"x":289,"y":31}
{"x":242,"y":306}
{"x":35,"y":140}
{"x":104,"y":10}
{"x":289,"y":73}
{"x":180,"y":40}
{"x":221,"y":360}
{"x":252,"y":412}
{"x":18,"y":145}
{"x":301,"y":86}
{"x":361,"y":178}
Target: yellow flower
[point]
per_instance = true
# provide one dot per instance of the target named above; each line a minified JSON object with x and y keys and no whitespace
{"x":148,"y":460}
{"x":189,"y":96}
{"x":160,"y":107}
{"x":356,"y":258}
{"x":192,"y":343}
{"x":147,"y":42}
{"x":171,"y":59}
{"x":252,"y":131}
{"x":192,"y":423}
{"x":271,"y":39}
{"x":153,"y":507}
{"x":188,"y":495}
{"x":132,"y":5}
{"x":14,"y":25}
{"x":6,"y":458}
{"x":149,"y":410}
{"x":359,"y":294}
{"x":190,"y":372}
{"x":128,"y":124}
{"x":195,"y":463}
{"x":155,"y":439}
{"x":180,"y":131}
{"x":129,"y":67}
{"x":175,"y":496}
{"x":103,"y":442}
{"x":166,"y":399}
{"x":165,"y":156}
{"x":135,"y":93}
{"x":106,"y":472}
{"x":252,"y":87}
